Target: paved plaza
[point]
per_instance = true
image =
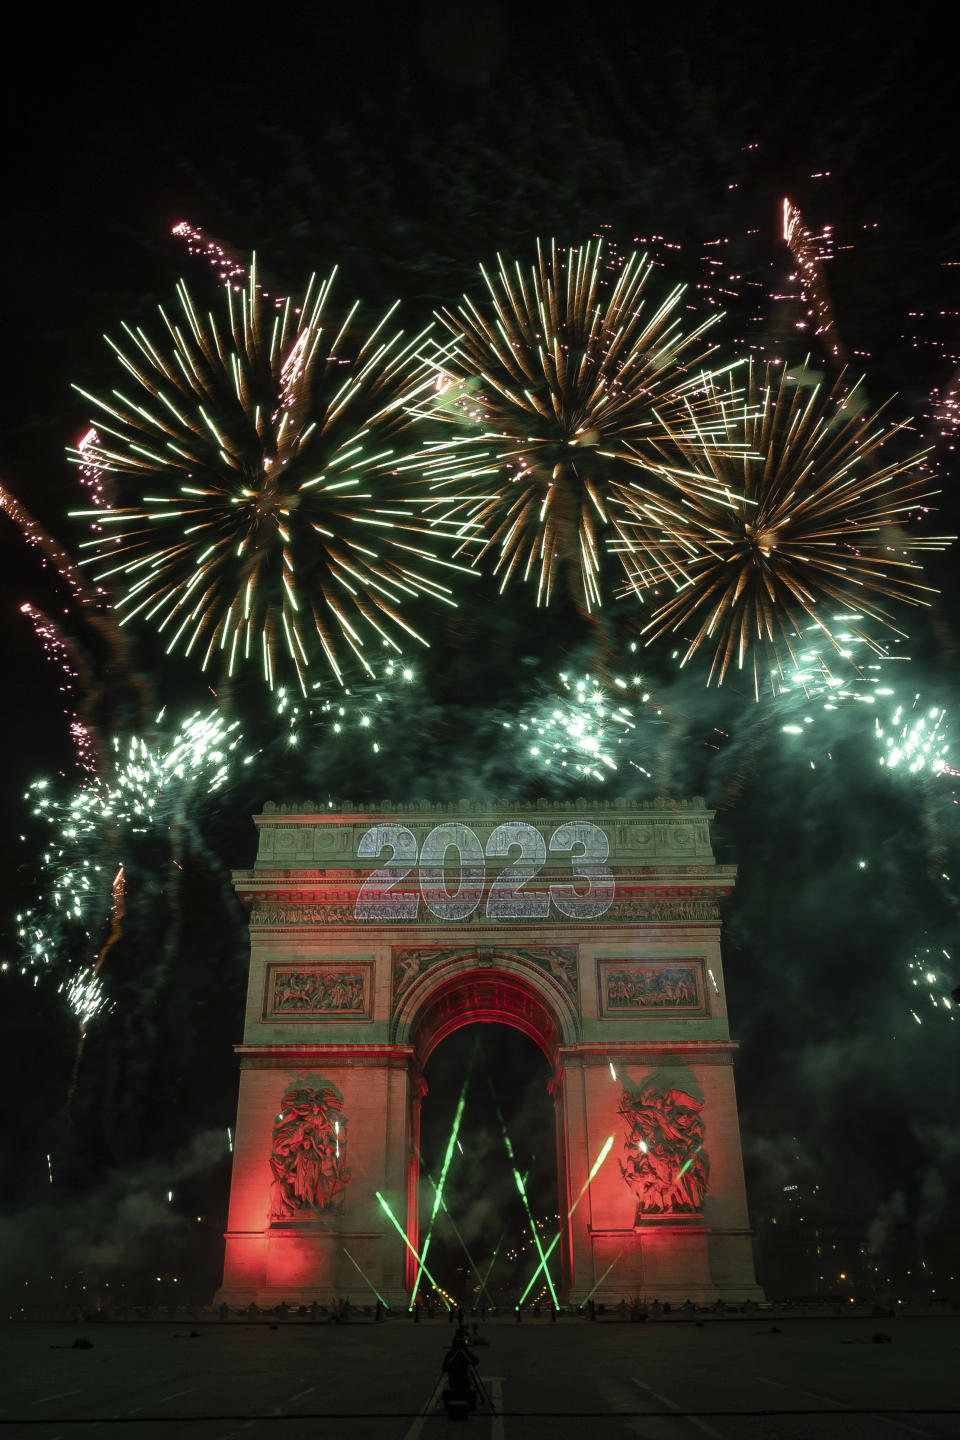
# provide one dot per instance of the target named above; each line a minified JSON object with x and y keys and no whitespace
{"x":665,"y":1381}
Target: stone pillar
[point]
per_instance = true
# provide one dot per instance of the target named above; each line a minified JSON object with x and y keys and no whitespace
{"x":622,"y":1249}
{"x":418,"y":1089}
{"x":556,"y":1089}
{"x":304,"y":1257}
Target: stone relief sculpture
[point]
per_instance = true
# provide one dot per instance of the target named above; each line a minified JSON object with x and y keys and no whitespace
{"x":308,"y":1157}
{"x":652,"y":987}
{"x":561,"y":961}
{"x":665,"y":1165}
{"x":316,"y":991}
{"x":409,"y":962}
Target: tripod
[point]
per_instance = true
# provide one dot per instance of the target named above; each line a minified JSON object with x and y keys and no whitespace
{"x":474,"y":1374}
{"x":460,"y":1401}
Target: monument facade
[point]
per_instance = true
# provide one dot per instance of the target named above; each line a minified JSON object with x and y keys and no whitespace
{"x":375,"y":932}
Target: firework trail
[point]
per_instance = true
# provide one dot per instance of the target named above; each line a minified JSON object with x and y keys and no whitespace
{"x":93,"y":477}
{"x":806,"y":252}
{"x":273,"y":527}
{"x":878,"y":719}
{"x":146,"y":788}
{"x":92,"y":607}
{"x":75,"y":881}
{"x":227,"y":263}
{"x":810,"y":514}
{"x":561,"y":385}
{"x":51,"y":550}
{"x":73,"y":680}
{"x":943,"y":419}
{"x":914,"y":738}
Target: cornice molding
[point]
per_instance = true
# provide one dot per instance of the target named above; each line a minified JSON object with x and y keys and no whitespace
{"x":324,"y":1057}
{"x":589,"y":1053}
{"x":333,"y":811}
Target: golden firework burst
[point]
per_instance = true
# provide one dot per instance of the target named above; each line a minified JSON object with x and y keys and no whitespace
{"x":811,"y":512}
{"x":273,"y":526}
{"x":562,"y":383}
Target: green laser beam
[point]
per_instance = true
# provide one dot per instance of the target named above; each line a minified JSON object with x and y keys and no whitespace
{"x":533,"y":1231}
{"x":605,"y":1151}
{"x":523,"y":1194}
{"x":456,"y":1230}
{"x":526,"y":1205}
{"x":599,"y":1282}
{"x":404,"y":1237}
{"x":550,"y":1249}
{"x":491,"y":1265}
{"x":438,"y":1190}
{"x":687,"y":1163}
{"x":367,"y":1278}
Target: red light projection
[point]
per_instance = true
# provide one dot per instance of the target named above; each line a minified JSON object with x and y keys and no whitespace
{"x":309,"y":1152}
{"x":666,"y":1165}
{"x":379,"y":931}
{"x":485,"y":996}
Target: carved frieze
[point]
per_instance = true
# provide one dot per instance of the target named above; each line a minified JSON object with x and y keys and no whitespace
{"x":688,"y":907}
{"x":667,"y":908}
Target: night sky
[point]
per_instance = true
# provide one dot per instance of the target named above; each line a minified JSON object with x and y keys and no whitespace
{"x":407,"y":151}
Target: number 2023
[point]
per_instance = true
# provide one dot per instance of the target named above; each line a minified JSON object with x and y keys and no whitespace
{"x":509,"y":897}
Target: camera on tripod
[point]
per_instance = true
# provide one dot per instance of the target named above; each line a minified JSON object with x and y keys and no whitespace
{"x":464,"y":1389}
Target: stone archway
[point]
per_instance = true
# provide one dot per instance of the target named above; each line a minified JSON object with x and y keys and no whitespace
{"x":511,"y":986}
{"x":377,"y":932}
{"x":468,"y":990}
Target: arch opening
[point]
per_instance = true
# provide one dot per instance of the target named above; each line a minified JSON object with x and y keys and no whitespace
{"x":485,"y":997}
{"x":482,"y":1251}
{"x":514,"y":1003}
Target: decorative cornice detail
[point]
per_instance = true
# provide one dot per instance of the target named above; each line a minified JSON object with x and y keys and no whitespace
{"x":337,"y":836}
{"x":299,"y":1057}
{"x":589,"y":1053}
{"x":629,"y":878}
{"x":327,"y":811}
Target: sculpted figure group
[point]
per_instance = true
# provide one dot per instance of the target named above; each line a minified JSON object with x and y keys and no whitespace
{"x":665,"y":1163}
{"x":308,"y":1157}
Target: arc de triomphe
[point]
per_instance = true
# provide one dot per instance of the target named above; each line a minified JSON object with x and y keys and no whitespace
{"x":375,"y":932}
